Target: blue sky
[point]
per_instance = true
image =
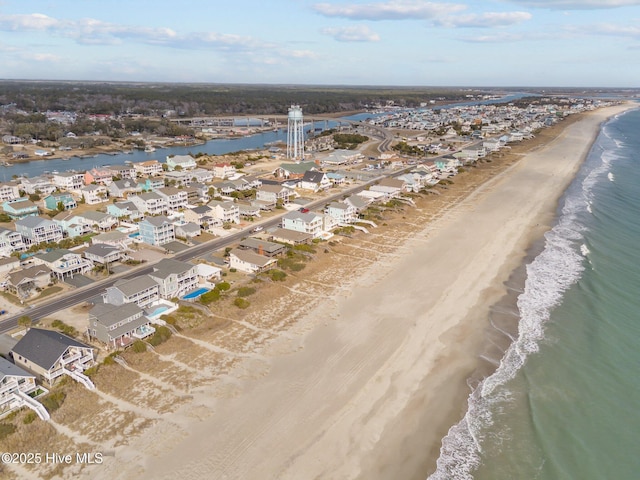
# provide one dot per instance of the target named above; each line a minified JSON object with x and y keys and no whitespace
{"x":589,"y":43}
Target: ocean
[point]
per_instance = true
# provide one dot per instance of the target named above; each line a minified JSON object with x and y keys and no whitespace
{"x":564,"y":402}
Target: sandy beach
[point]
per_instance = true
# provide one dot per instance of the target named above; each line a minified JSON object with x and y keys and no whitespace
{"x":369,"y":378}
{"x":367,"y":382}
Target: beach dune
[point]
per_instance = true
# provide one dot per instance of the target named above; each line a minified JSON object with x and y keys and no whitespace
{"x":377,"y":374}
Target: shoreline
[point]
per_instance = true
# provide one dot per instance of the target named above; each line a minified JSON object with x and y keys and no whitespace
{"x":361,"y":367}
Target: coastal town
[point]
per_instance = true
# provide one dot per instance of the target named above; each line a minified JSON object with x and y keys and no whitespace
{"x":102,"y":269}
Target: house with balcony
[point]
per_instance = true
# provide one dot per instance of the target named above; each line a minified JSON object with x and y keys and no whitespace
{"x":148,"y":168}
{"x":114,"y":238}
{"x":273,"y":194}
{"x":103,"y":254}
{"x":201,"y":175}
{"x":23,"y":283}
{"x":37,"y":185}
{"x":9,"y":191}
{"x":15,"y":386}
{"x":36,"y":230}
{"x":72,"y":225}
{"x":185,"y":162}
{"x":248,"y":261}
{"x":142,"y":290}
{"x":293,"y":171}
{"x":262,"y":247}
{"x":178,"y":178}
{"x":53,"y":201}
{"x":68,"y":181}
{"x":63,"y":263}
{"x":223,"y":170}
{"x":123,"y":171}
{"x":227,"y":212}
{"x":315,"y":181}
{"x":196,"y":214}
{"x":149,"y":203}
{"x":125,"y":210}
{"x":197,"y":193}
{"x":122,"y":188}
{"x":157,"y":230}
{"x":290,"y":237}
{"x":176,"y":198}
{"x":99,"y":221}
{"x":10,"y":241}
{"x":150,"y":184}
{"x":389,"y":187}
{"x":20,"y":208}
{"x":51,"y":355}
{"x":341,"y":212}
{"x":102,"y":176}
{"x":93,"y":194}
{"x":118,"y":326}
{"x":303,"y":222}
{"x":174,"y":278}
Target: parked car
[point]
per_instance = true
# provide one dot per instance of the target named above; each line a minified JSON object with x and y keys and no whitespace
{"x":257,"y":229}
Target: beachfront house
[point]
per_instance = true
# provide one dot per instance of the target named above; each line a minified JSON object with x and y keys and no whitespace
{"x":15,"y":386}
{"x":35,"y":230}
{"x":116,"y":238}
{"x":180,"y":162}
{"x":249,"y":262}
{"x":142,"y":290}
{"x":103,"y":253}
{"x":290,"y":237}
{"x":263,"y":247}
{"x":174,"y":278}
{"x":227,"y":212}
{"x":51,"y":355}
{"x":303,"y":222}
{"x":341,"y":212}
{"x":118,"y":326}
{"x":20,"y":208}
{"x":156,"y":230}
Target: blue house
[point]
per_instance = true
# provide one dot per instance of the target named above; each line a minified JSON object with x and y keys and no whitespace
{"x":52,"y":201}
{"x":151,"y":184}
{"x":20,"y":208}
{"x":157,"y":230}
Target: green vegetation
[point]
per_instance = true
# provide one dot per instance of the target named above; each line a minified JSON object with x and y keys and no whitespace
{"x":349,"y":141}
{"x":139,"y":346}
{"x":277,"y":275}
{"x":246,"y":291}
{"x":303,"y":247}
{"x":53,"y":400}
{"x":223,"y":286}
{"x":241,"y":303}
{"x":161,"y":335}
{"x":407,"y":149}
{"x":29,"y":417}
{"x":210,"y":297}
{"x":64,"y":328}
{"x":6,"y":429}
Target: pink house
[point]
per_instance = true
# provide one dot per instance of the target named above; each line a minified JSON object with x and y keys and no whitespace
{"x":98,"y":175}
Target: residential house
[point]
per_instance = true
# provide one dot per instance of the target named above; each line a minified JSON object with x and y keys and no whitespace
{"x":290,"y":237}
{"x":228,"y":212}
{"x":72,"y":225}
{"x":9,"y":191}
{"x":10,"y":241}
{"x":142,"y":290}
{"x":358,"y":202}
{"x":176,"y":198}
{"x":157,"y":230}
{"x":69,"y":181}
{"x":100,"y":222}
{"x":390,"y":187}
{"x":197,"y":193}
{"x":50,"y":355}
{"x":151,"y":203}
{"x":151,"y":184}
{"x":185,"y":162}
{"x":273,"y":194}
{"x":37,"y":185}
{"x":303,"y":222}
{"x":148,"y":168}
{"x":178,"y":178}
{"x":103,"y":253}
{"x":336,"y":178}
{"x":315,"y":181}
{"x":63,"y":263}
{"x":249,"y":262}
{"x":341,"y":212}
{"x":291,"y":171}
{"x":102,"y":176}
{"x":122,"y":188}
{"x":125,"y":210}
{"x":175,"y":278}
{"x":248,"y":209}
{"x":114,"y":238}
{"x":35,"y":230}
{"x":25,"y":282}
{"x":187,"y":230}
{"x":8,"y":264}
{"x":118,"y":326}
{"x":15,"y":386}
{"x":201,"y":175}
{"x":20,"y":208}
{"x":196,"y":214}
{"x":123,"y":171}
{"x":208,"y":273}
{"x":224,"y":170}
{"x":53,"y":201}
{"x":94,"y":194}
{"x":262,"y":247}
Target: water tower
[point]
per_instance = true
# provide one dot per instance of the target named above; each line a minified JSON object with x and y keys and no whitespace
{"x":295,"y":134}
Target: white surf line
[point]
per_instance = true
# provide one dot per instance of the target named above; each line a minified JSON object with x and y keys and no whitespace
{"x":215,"y":349}
{"x":145,"y":412}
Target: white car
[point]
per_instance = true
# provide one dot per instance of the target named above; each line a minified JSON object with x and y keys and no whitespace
{"x":257,"y":229}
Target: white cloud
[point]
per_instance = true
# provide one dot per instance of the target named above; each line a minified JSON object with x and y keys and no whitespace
{"x":391,"y":10}
{"x":607,"y":29}
{"x":505,"y":37}
{"x":577,"y":4}
{"x":356,"y":33}
{"x":485,"y":20}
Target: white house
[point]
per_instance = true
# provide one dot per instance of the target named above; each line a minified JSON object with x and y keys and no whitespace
{"x":185,"y":162}
{"x":303,"y":222}
{"x":249,"y":262}
{"x":68,"y":180}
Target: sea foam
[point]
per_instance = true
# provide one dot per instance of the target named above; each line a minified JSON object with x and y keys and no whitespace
{"x":549,"y":276}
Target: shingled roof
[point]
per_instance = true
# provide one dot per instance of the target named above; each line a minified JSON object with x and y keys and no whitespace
{"x":44,"y":347}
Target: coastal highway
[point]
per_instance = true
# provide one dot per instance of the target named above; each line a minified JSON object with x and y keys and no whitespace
{"x":85,"y":293}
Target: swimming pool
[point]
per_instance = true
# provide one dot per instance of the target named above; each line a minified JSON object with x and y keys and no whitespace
{"x":158,"y":311}
{"x":195,"y":293}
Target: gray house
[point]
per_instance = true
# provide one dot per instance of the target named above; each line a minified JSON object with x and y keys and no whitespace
{"x":118,"y":326}
{"x":142,"y":291}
